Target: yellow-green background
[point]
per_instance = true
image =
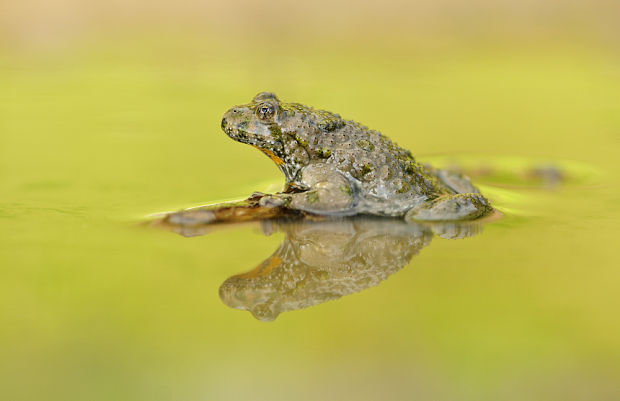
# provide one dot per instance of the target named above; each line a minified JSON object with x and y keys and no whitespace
{"x":110,"y":111}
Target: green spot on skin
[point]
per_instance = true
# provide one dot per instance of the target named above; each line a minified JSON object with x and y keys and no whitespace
{"x":312,"y":197}
{"x":410,"y":167}
{"x":329,"y":121}
{"x":345,"y":189}
{"x":366,"y":168}
{"x":404,"y":187}
{"x":292,"y":108}
{"x":324,"y":153}
{"x":300,"y":141}
{"x":275,"y":132}
{"x":365,"y":144}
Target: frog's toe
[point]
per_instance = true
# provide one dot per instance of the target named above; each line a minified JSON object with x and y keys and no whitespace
{"x":451,"y":207}
{"x":274,"y":201}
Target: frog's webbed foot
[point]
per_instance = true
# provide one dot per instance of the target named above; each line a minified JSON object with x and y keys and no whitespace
{"x":450,"y":208}
{"x":275,"y":200}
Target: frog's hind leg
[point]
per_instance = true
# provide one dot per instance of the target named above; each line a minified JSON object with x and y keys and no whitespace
{"x":324,"y":199}
{"x":450,"y":208}
{"x":328,"y":192}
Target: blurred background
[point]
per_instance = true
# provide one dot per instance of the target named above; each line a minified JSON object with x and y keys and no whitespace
{"x":110,"y":111}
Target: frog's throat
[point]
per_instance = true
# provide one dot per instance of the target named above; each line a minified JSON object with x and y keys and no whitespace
{"x":288,"y":172}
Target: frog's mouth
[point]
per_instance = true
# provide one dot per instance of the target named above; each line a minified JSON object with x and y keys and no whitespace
{"x":230,"y":130}
{"x":262,"y":138}
{"x":238,"y":133}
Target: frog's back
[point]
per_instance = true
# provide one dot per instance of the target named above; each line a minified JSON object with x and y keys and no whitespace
{"x":388,"y":179}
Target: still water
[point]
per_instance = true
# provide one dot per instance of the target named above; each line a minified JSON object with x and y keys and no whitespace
{"x":320,"y":261}
{"x":93,"y":305}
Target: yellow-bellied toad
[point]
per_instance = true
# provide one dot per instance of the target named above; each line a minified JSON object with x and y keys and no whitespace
{"x":339,"y":167}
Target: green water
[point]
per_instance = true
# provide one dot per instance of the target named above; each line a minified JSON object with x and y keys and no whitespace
{"x":93,"y":307}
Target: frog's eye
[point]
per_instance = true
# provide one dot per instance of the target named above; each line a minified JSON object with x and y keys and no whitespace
{"x":265,"y":112}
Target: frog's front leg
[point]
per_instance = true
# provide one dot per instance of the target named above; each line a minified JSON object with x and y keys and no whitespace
{"x":467,"y":206}
{"x":329,"y":193}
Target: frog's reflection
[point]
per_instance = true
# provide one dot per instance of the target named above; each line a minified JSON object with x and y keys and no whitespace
{"x":319,"y":261}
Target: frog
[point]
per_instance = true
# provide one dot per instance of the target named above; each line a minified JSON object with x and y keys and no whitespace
{"x":338,"y":167}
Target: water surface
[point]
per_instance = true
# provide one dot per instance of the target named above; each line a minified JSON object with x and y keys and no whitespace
{"x":93,"y":306}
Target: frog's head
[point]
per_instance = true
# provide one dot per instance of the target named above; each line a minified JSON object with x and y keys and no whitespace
{"x":283,"y":131}
{"x":256,"y":123}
